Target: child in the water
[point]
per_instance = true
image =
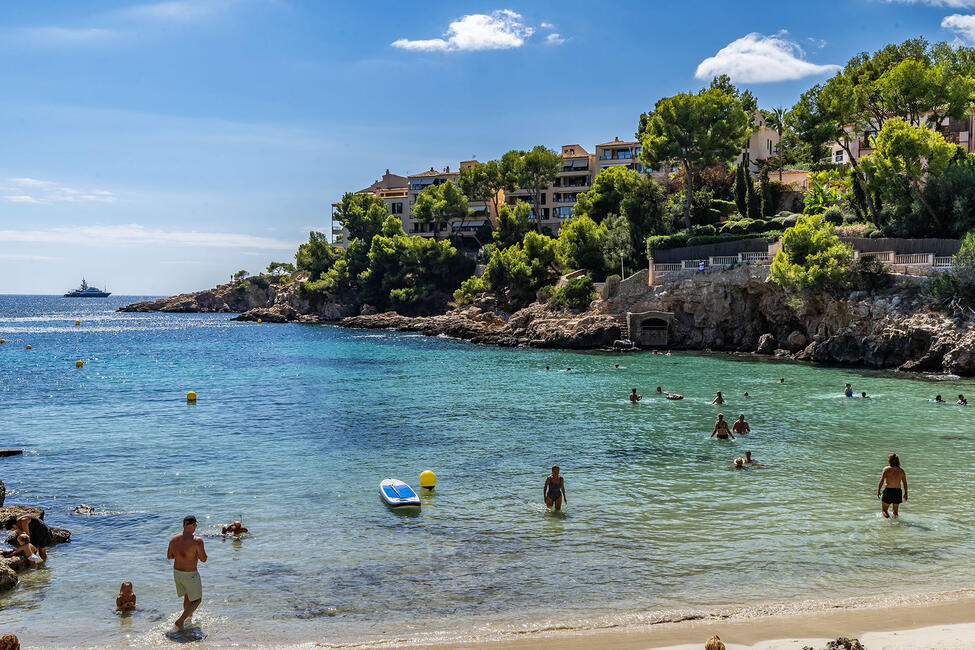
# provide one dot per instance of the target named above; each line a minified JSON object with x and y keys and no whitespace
{"x":126,"y":598}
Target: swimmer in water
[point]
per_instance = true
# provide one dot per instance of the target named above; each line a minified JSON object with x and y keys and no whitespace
{"x":739,"y":463}
{"x":617,"y":366}
{"x":546,"y":367}
{"x":740,"y":426}
{"x":718,"y":399}
{"x":554,"y":490}
{"x":746,"y":394}
{"x":634,"y":397}
{"x":863,"y":395}
{"x":669,"y":395}
{"x":962,"y":401}
{"x":235,"y":528}
{"x":848,"y":391}
{"x":749,"y":459}
{"x":894,"y":477}
{"x":938,"y":400}
{"x":126,"y":598}
{"x":781,"y":380}
{"x":721,"y":429}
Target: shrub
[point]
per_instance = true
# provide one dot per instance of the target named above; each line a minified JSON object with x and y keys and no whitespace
{"x":469,"y":289}
{"x":854,"y":230}
{"x":874,"y":234}
{"x":833,"y":215}
{"x":545,"y":293}
{"x":757,"y":225}
{"x":868,"y":274}
{"x":706,"y":229}
{"x":812,"y":257}
{"x":577,"y":294}
{"x":724,"y":208}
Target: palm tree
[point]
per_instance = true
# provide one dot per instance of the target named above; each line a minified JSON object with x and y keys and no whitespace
{"x":775,"y":119}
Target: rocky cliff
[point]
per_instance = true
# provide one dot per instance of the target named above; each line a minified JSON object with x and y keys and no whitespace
{"x":273,"y":299}
{"x":732,"y":310}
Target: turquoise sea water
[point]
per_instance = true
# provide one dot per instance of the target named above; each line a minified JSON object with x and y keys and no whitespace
{"x":295,"y":426}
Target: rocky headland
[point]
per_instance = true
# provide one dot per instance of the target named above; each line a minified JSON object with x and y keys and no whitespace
{"x":736,"y":310}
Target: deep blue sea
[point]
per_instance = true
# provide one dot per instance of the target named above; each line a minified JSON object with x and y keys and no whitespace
{"x":296,"y":425}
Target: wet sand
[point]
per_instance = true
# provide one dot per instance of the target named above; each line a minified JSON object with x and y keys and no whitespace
{"x":947,"y":625}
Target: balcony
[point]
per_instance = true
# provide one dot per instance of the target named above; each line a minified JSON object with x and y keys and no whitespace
{"x":565,"y":198}
{"x":584,"y":167}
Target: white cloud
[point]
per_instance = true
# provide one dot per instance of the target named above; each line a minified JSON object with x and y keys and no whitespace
{"x":32,"y":190}
{"x":24,"y":257}
{"x":554,"y":39}
{"x":756,"y":58}
{"x":500,"y":30}
{"x":547,"y":26}
{"x":962,"y":25}
{"x":174,"y":10}
{"x":63,"y":36}
{"x":132,"y":234}
{"x":950,"y":4}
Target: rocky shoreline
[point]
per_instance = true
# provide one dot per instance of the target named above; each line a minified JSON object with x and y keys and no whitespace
{"x":11,"y":566}
{"x":736,"y":310}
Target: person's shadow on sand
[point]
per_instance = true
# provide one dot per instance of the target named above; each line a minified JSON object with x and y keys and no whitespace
{"x":189,"y":634}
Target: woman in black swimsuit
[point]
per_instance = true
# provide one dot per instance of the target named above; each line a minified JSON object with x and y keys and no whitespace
{"x":554,"y":490}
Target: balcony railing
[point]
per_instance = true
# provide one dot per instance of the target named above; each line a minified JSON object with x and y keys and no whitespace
{"x":915,"y":259}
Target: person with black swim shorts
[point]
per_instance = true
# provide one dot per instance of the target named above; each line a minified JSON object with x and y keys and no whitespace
{"x":894,"y":477}
{"x":554,"y":490}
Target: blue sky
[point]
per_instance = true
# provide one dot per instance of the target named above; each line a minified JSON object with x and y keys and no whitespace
{"x":160,"y":146}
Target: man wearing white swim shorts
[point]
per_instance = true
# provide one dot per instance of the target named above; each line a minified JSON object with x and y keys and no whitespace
{"x":185,"y":549}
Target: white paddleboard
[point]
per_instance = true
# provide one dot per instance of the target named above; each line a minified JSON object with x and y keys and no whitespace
{"x":397,"y":494}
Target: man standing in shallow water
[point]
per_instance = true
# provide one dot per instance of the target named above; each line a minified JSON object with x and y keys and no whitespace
{"x":894,"y":476}
{"x":185,"y":549}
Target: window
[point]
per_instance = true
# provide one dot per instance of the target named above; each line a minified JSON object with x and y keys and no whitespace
{"x":396,"y":208}
{"x":839,"y":156}
{"x":543,"y":198}
{"x":770,"y":147}
{"x":544,"y":213}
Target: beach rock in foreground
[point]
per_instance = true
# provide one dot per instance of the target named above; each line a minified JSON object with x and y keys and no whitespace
{"x":842,"y":643}
{"x":9,"y":566}
{"x":10,"y":514}
{"x":3,"y":492}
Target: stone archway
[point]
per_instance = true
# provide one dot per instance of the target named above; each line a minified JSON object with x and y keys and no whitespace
{"x":650,"y":328}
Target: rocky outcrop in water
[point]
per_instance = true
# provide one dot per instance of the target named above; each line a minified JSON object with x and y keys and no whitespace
{"x":9,"y":567}
{"x":534,"y":326}
{"x":272,"y":299}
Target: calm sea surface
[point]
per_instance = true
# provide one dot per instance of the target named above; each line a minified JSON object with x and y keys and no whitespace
{"x":296,"y":425}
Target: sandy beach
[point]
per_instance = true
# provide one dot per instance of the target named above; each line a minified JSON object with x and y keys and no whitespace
{"x":946,"y":625}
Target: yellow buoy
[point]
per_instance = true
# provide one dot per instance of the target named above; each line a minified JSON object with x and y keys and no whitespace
{"x":77,"y":322}
{"x":191,"y":396}
{"x":79,"y":363}
{"x":28,"y":347}
{"x":428,"y":480}
{"x":2,"y":341}
{"x":259,"y":320}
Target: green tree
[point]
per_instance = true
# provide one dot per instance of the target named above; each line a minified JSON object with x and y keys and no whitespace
{"x":695,"y":131}
{"x":516,"y":273}
{"x":742,"y":181}
{"x":768,"y":202}
{"x":827,"y":188}
{"x":754,"y":202}
{"x":910,"y":153}
{"x":280,"y":268}
{"x":482,"y":182}
{"x":811,"y":257}
{"x":580,"y":244}
{"x":513,"y":224}
{"x":617,"y":243}
{"x":535,"y":172}
{"x":239,"y":275}
{"x":411,"y":274}
{"x":317,"y":255}
{"x":632,"y":196}
{"x":361,"y":214}
{"x":440,"y":204}
{"x":775,"y":119}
